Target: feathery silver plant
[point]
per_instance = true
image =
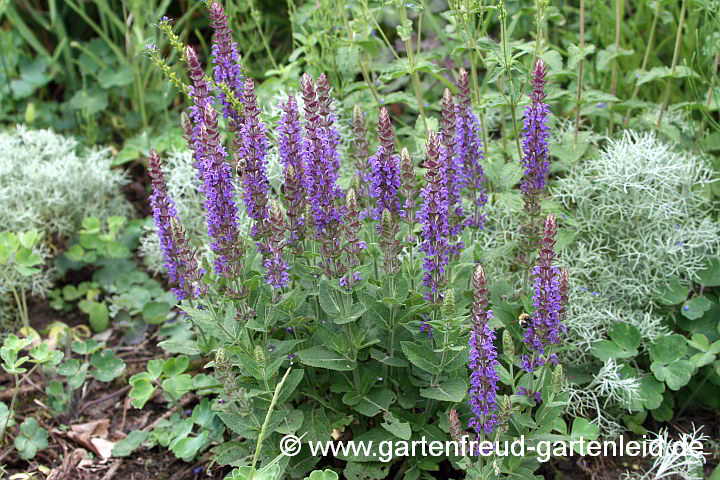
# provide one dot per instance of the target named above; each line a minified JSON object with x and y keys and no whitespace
{"x":640,"y":205}
{"x":48,"y":182}
{"x":677,"y":458}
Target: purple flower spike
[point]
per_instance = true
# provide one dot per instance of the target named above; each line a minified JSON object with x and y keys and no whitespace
{"x":536,"y":152}
{"x":251,"y":162}
{"x":385,"y":170}
{"x":289,"y":148}
{"x":199,"y":91}
{"x":220,"y":209}
{"x":322,"y":160}
{"x":434,"y":218}
{"x":163,"y":211}
{"x":274,"y":262}
{"x":456,"y":179}
{"x":470,"y":150}
{"x":227,"y":69}
{"x":549,"y":299}
{"x":482,"y":360}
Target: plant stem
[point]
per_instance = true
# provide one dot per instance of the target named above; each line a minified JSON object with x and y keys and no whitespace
{"x":580,"y":73}
{"x":415,"y":77}
{"x":676,"y":54}
{"x":265,"y":424}
{"x":618,"y":23}
{"x":646,"y":57}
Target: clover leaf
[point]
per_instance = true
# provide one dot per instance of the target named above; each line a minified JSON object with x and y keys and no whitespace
{"x":107,"y":365}
{"x":31,"y":439}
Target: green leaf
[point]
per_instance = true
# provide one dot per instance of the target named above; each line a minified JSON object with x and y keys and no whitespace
{"x":674,"y":293}
{"x":346,"y":59}
{"x":658,"y":73}
{"x":155,"y":312}
{"x":577,"y":54}
{"x":668,"y":349}
{"x":604,"y":57}
{"x":91,"y":101}
{"x":323,"y":357}
{"x":329,"y":301}
{"x":605,"y":349}
{"x":695,"y":308}
{"x":710,"y":276}
{"x":625,"y":335}
{"x":176,"y":365}
{"x":31,"y":439}
{"x":453,"y":390}
{"x":326,"y":474}
{"x":422,"y":356}
{"x":142,"y":390}
{"x":115,"y":77}
{"x":107,"y":365}
{"x":396,"y":427}
{"x":180,"y":345}
{"x":155,"y":368}
{"x":98,"y":313}
{"x":187,"y":448}
{"x":582,"y":428}
{"x":676,"y":375}
{"x":126,"y":446}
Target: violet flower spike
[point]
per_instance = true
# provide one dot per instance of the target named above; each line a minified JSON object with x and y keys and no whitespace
{"x":199,"y":92}
{"x":275,"y":263}
{"x":470,"y":150}
{"x":163,"y":212}
{"x":482,"y":360}
{"x":295,"y":187}
{"x":251,"y":162}
{"x":536,"y":152}
{"x":434,"y":217}
{"x":549,"y":299}
{"x":227,"y":69}
{"x":220,"y":209}
{"x":321,"y":158}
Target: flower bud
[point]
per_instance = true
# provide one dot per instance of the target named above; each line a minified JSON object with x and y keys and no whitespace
{"x":260,"y":354}
{"x":508,"y":344}
{"x":558,"y":379}
{"x":448,"y":306}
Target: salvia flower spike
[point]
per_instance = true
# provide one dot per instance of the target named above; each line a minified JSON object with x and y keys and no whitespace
{"x":482,"y":360}
{"x":163,"y":211}
{"x":200,"y":93}
{"x":220,"y":208}
{"x":455,"y":177}
{"x":321,"y":158}
{"x":385,"y":171}
{"x":228,"y":70}
{"x":470,"y":150}
{"x":536,"y":153}
{"x":549,"y":299}
{"x":290,"y":151}
{"x":274,"y":261}
{"x":434,"y":218}
{"x":251,"y":162}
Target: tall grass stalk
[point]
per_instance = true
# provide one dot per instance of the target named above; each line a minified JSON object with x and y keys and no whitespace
{"x":676,"y":54}
{"x":581,"y":66}
{"x":646,"y":58}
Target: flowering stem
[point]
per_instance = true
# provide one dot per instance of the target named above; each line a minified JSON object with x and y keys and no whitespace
{"x":265,"y":424}
{"x":676,"y":54}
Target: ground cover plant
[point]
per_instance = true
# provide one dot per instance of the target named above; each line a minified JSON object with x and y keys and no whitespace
{"x":368,"y":221}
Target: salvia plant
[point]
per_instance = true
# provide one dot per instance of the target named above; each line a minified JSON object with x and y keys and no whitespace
{"x":361,"y":309}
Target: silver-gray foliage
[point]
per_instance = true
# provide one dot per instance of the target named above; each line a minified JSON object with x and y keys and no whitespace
{"x":48,"y":183}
